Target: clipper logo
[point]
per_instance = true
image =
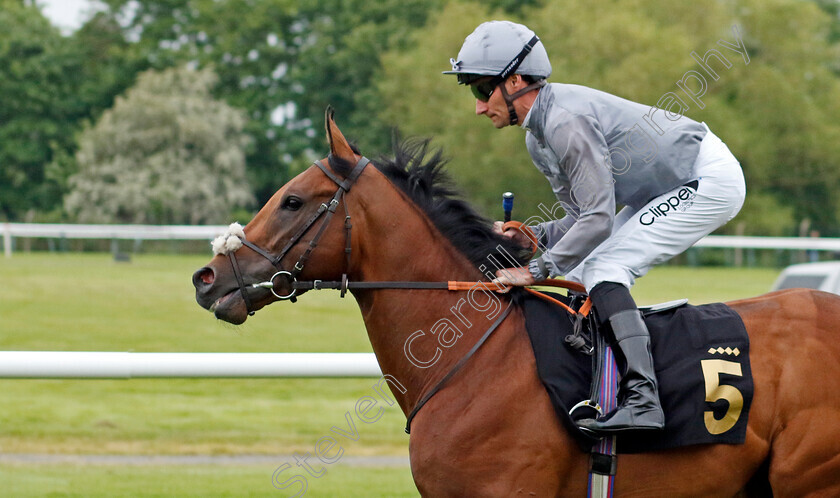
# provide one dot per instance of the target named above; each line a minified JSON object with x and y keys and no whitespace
{"x":681,"y":201}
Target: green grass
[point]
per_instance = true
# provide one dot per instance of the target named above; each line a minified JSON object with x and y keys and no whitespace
{"x":23,"y":481}
{"x":188,"y":416}
{"x":87,"y":302}
{"x":702,"y":285}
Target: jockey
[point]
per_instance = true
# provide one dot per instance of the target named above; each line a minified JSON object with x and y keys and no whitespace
{"x":675,"y":179}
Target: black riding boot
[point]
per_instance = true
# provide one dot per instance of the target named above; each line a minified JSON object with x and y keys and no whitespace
{"x":639,"y":407}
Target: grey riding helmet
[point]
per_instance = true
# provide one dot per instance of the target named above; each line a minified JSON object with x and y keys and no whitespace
{"x":489,"y":49}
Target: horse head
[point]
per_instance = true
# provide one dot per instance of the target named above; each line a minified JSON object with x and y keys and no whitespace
{"x":294,"y":226}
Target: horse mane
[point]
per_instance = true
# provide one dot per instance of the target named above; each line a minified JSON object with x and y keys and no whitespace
{"x":419,"y":172}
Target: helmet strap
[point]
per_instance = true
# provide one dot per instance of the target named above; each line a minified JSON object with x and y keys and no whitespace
{"x":511,"y":69}
{"x":514,"y":119}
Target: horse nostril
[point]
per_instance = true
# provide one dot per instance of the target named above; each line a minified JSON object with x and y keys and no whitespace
{"x":204,"y":277}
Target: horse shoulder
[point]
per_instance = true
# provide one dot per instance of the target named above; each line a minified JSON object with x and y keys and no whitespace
{"x":493,"y":431}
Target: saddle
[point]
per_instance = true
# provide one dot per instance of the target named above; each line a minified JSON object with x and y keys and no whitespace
{"x":701,"y":357}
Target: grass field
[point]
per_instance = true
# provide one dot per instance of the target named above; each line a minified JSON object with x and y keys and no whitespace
{"x":21,"y":481}
{"x":87,"y":302}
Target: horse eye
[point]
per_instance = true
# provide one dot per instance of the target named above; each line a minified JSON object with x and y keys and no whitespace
{"x":292,"y":203}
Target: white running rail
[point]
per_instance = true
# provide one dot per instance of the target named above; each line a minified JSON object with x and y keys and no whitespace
{"x":119,"y":365}
{"x":207,"y":232}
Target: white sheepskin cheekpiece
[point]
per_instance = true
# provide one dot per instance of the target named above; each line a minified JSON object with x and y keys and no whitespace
{"x":230,"y":241}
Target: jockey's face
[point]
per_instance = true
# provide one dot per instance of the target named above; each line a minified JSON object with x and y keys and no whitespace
{"x":495,"y":108}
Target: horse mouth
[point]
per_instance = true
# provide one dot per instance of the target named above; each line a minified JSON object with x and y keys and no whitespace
{"x":230,"y":308}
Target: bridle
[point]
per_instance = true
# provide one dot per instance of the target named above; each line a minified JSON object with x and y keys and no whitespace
{"x":327,"y":210}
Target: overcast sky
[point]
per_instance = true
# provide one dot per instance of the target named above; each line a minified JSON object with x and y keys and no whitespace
{"x":66,"y":14}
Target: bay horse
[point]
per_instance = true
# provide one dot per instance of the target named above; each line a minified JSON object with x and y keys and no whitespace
{"x":491,"y":430}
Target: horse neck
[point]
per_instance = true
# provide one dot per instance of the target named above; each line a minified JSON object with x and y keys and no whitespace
{"x":398,"y":242}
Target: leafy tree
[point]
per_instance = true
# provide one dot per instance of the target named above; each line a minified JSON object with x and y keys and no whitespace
{"x":51,"y":84}
{"x":37,"y":108}
{"x":781,"y":110}
{"x":104,"y":65}
{"x":108,"y":62}
{"x":832,"y":8}
{"x":283,"y":61}
{"x":379,"y":63}
{"x":165,"y":153}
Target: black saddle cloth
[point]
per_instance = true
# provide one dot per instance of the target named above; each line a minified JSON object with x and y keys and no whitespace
{"x":692,"y":363}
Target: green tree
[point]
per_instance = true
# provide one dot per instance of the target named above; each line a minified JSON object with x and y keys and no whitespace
{"x":51,"y":85}
{"x":37,"y":109}
{"x":282,"y":61}
{"x":832,"y":8}
{"x":104,"y":65}
{"x":165,"y":153}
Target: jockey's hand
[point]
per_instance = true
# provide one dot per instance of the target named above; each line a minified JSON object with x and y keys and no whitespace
{"x":498,"y":227}
{"x":512,"y":233}
{"x":517,"y":277}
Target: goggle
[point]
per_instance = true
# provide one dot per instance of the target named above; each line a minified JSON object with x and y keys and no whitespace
{"x":484,"y":89}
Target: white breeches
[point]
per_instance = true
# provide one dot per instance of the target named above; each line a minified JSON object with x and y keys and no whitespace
{"x":668,"y":224}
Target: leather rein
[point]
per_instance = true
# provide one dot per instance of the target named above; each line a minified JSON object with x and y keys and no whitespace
{"x":327,"y":210}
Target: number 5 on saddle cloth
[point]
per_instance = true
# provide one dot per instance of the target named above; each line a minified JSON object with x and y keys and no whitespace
{"x":701,"y":358}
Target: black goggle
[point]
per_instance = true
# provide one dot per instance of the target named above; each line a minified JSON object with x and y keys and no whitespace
{"x":484,"y":89}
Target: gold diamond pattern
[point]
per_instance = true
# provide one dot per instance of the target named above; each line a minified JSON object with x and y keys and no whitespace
{"x":728,"y":350}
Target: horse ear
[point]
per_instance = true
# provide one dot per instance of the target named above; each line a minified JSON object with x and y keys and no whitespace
{"x":339,"y":146}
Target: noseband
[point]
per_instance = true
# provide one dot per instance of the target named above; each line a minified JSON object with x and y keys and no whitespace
{"x":327,"y":210}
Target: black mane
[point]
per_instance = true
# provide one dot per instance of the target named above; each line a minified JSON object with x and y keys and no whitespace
{"x":419,"y":172}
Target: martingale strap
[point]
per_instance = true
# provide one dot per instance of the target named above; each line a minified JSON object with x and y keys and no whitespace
{"x":455,"y":369}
